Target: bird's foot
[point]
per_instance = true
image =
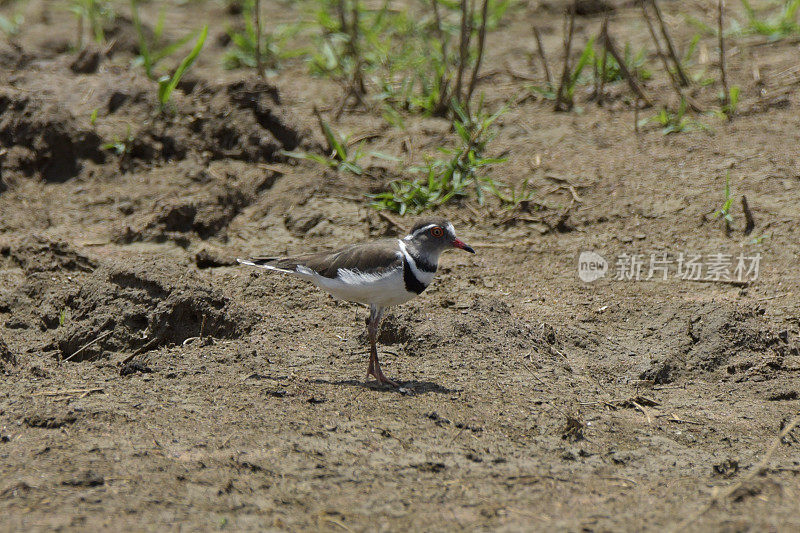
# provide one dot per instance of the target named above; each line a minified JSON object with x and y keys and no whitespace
{"x":380,"y":377}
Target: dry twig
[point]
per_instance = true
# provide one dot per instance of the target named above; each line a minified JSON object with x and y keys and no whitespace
{"x":90,"y":343}
{"x":750,"y":222}
{"x":358,"y":77}
{"x":726,"y":100}
{"x":660,"y":51}
{"x":542,"y":56}
{"x":632,"y":83}
{"x":257,"y":22}
{"x":481,"y":42}
{"x":643,"y":410}
{"x":444,"y":83}
{"x":670,"y":47}
{"x":321,"y":124}
{"x":72,"y":392}
{"x":463,"y":49}
{"x":603,"y":69}
{"x":563,"y":101}
{"x":391,"y":220}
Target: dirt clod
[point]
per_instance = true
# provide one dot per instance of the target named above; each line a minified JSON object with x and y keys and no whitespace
{"x":47,"y":140}
{"x":430,"y":466}
{"x":6,"y":356}
{"x":49,"y":420}
{"x":727,"y":468}
{"x":87,"y":61}
{"x":87,"y":478}
{"x":159,"y":307}
{"x":784,"y":396}
{"x":134,"y":367}
{"x":38,"y":254}
{"x":573,"y":430}
{"x":212,"y":258}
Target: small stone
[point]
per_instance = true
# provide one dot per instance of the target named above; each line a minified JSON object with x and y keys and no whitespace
{"x":87,"y":61}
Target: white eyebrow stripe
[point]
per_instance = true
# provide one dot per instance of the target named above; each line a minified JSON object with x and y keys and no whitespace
{"x":420,"y":230}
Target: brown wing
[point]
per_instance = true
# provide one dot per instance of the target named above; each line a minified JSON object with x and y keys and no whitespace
{"x":373,"y":258}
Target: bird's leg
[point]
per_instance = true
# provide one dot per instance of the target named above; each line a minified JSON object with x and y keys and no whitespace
{"x":373,"y":354}
{"x":373,"y":327}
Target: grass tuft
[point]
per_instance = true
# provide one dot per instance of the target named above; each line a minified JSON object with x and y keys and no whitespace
{"x":92,"y":14}
{"x":724,"y":212}
{"x":11,"y":26}
{"x":777,"y":27}
{"x":416,"y":60}
{"x":454,"y":176}
{"x":674,"y":121}
{"x":340,"y":157}
{"x":274,"y":46}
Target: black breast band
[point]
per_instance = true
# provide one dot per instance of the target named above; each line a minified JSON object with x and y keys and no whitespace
{"x":410,"y":280}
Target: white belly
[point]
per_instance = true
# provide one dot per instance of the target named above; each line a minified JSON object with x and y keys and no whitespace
{"x":372,"y":289}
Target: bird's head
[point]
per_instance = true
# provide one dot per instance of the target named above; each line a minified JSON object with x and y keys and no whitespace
{"x":432,"y":236}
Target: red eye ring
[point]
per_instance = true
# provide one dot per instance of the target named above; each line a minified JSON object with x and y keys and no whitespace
{"x":437,"y":232}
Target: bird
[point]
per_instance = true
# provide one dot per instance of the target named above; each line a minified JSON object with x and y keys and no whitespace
{"x":380,"y":273}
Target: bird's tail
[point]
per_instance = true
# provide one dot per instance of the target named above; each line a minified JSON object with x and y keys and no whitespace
{"x":280,"y":264}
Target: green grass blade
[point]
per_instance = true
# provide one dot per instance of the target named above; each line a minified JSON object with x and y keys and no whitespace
{"x":170,"y":49}
{"x":183,"y":67}
{"x":144,"y":49}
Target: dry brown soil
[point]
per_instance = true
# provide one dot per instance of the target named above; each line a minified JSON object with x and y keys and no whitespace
{"x":530,"y":399}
